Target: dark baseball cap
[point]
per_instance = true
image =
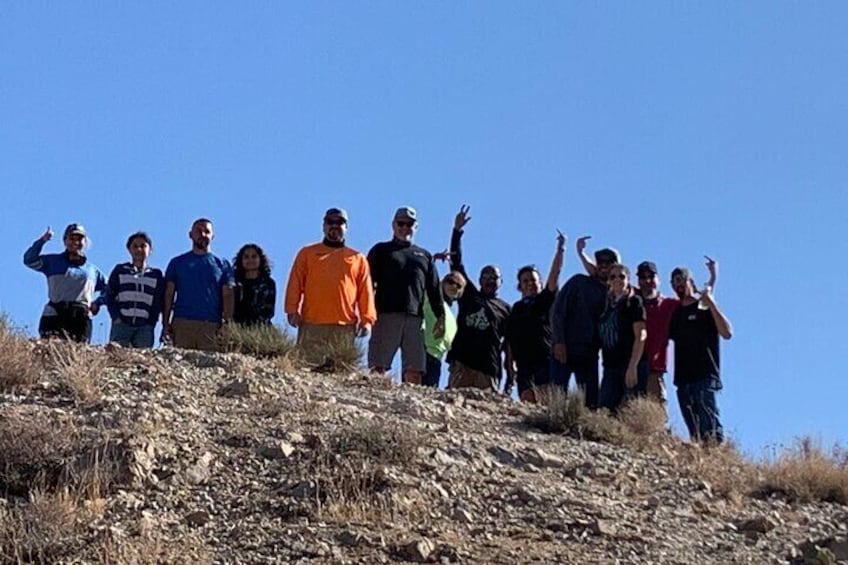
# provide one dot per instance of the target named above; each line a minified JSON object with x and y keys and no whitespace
{"x":648,"y":267}
{"x":682,"y":272}
{"x":608,"y":255}
{"x":75,"y":229}
{"x":406,"y":213}
{"x":337,"y":212}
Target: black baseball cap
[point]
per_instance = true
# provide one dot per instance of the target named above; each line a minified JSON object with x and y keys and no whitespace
{"x":648,"y":267}
{"x":337,"y":212}
{"x":607,"y":255}
{"x":681,"y":272}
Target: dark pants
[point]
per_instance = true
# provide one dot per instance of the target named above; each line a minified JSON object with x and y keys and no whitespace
{"x":614,"y":388}
{"x":585,"y":370}
{"x":433,"y":372}
{"x":529,"y":378}
{"x":70,"y":322}
{"x":700,"y":410}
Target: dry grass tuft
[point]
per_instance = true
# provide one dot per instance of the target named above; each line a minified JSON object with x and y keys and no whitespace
{"x":33,"y":448}
{"x":726,"y":470}
{"x":350,"y":471}
{"x":264,"y":341}
{"x":44,"y":529}
{"x":805,"y":472}
{"x":644,"y":417}
{"x":563,"y":413}
{"x":334,"y":356}
{"x":18,"y":369}
{"x":77,"y":369}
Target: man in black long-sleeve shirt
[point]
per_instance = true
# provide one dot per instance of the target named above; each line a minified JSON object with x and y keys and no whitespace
{"x":475,"y":355}
{"x":403,"y":273}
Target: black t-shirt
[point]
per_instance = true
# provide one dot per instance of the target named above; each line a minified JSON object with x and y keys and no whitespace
{"x":695,"y":335}
{"x":528,"y":331}
{"x":402,"y":274}
{"x":481,"y":324}
{"x":616,"y":330}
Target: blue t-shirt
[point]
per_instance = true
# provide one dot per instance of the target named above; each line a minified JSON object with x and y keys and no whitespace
{"x":198,"y":280}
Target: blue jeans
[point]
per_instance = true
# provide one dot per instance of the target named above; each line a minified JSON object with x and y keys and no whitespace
{"x":614,"y":388}
{"x":433,"y":372}
{"x":585,"y":369}
{"x":700,"y":410}
{"x":126,"y":335}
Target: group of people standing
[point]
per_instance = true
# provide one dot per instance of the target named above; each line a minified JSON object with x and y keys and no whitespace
{"x":395,"y":295}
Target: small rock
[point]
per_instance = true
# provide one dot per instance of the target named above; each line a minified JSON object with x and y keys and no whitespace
{"x":349,"y":538}
{"x":540,"y":458}
{"x":279,"y":450}
{"x":504,"y":455}
{"x":197,"y":518}
{"x":602,"y":528}
{"x":199,"y":472}
{"x":462,"y":515}
{"x":236,"y":387}
{"x":303,"y":489}
{"x":417,"y":551}
{"x":759,"y":525}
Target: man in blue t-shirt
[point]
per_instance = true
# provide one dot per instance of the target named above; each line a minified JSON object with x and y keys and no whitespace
{"x":203,"y":285}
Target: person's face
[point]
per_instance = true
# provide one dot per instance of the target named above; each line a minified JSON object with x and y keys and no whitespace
{"x":451,"y":288}
{"x":617,"y":280}
{"x":335,"y":228}
{"x":75,"y":243}
{"x":682,"y":286}
{"x":648,"y":283}
{"x":250,"y":260}
{"x":404,"y":228}
{"x":604,"y":264}
{"x":201,"y":235}
{"x":139,"y":250}
{"x":529,"y":284}
{"x":490,"y":280}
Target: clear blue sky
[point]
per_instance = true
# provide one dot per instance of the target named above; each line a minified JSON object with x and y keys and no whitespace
{"x":667,"y":130}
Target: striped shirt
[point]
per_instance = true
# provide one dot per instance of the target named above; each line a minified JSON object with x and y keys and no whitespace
{"x":135,"y":295}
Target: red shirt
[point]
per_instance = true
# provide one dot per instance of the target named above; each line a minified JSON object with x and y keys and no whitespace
{"x":658,"y":314}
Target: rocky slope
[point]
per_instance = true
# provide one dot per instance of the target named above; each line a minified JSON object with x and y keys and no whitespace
{"x":222,"y":458}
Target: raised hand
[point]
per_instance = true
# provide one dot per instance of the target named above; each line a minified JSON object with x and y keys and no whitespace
{"x":47,"y":235}
{"x":442,"y":255}
{"x":581,"y":243}
{"x":561,"y":240}
{"x":712,"y":266}
{"x":462,"y":217}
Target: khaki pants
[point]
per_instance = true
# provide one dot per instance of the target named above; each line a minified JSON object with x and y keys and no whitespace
{"x":317,"y":341}
{"x":462,"y":376}
{"x":195,"y":334}
{"x":655,"y":387}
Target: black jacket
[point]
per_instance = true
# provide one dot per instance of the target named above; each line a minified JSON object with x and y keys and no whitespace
{"x":402,"y":273}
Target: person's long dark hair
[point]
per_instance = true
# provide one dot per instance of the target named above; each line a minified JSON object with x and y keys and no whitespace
{"x":264,"y":263}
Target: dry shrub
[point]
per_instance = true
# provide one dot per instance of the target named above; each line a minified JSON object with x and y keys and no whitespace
{"x":350,"y":467}
{"x":805,"y":472}
{"x":726,"y":470}
{"x":262,"y":340}
{"x":644,"y":417}
{"x":143,"y":549}
{"x":18,"y":369}
{"x":77,"y":369}
{"x":34,"y":446}
{"x":45,"y":529}
{"x":564,"y":413}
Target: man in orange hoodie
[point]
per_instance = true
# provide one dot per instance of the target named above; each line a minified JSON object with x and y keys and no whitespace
{"x":329,"y":297}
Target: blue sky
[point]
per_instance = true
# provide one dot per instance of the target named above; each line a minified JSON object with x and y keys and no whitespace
{"x":667,"y":130}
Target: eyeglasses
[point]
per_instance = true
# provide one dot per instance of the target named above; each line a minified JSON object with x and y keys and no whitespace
{"x":335,"y":222}
{"x":489,"y":277}
{"x":619,"y":276}
{"x":405,"y":223}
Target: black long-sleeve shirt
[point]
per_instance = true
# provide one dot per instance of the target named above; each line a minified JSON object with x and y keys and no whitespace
{"x":403,"y":273}
{"x":255,"y":300}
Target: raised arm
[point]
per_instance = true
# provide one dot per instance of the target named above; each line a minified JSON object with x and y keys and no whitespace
{"x":712,"y":267}
{"x":459,"y":222}
{"x":588,"y":264}
{"x":556,"y":263}
{"x":32,"y":256}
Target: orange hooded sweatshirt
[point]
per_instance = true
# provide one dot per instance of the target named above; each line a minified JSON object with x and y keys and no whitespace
{"x":331,"y":285}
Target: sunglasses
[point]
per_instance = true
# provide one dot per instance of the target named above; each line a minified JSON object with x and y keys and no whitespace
{"x":489,"y":277}
{"x":335,"y":222}
{"x":619,"y":276}
{"x":678,"y":279}
{"x":452,"y":282}
{"x":404,"y":223}
{"x":647,"y":276}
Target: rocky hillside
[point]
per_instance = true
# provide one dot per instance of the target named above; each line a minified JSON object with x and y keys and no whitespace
{"x":173,"y":456}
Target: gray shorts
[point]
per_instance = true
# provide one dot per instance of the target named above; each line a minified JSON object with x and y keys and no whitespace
{"x":392,"y":331}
